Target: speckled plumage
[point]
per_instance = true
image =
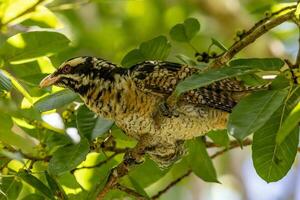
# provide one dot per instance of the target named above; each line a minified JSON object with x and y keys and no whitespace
{"x":132,"y":98}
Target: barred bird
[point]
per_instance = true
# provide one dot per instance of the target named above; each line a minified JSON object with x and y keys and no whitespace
{"x":135,"y":99}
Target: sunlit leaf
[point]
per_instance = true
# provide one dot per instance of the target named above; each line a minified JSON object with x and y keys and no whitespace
{"x":14,"y":9}
{"x":200,"y":162}
{"x":254,"y":111}
{"x":155,"y":49}
{"x":43,"y":17}
{"x":36,"y":183}
{"x":186,"y":31}
{"x":90,"y":125}
{"x":68,"y":157}
{"x":26,"y":47}
{"x":55,"y":100}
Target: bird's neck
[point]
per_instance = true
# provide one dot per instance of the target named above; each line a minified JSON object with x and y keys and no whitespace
{"x":105,"y":95}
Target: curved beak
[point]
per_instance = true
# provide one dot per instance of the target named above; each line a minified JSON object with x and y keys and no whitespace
{"x":48,"y":81}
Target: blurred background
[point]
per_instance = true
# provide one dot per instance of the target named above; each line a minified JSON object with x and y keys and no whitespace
{"x":111,"y":28}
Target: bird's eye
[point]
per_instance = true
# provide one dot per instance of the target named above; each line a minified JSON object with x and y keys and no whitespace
{"x":66,"y":69}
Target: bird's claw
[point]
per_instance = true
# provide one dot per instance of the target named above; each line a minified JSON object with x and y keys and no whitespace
{"x":131,"y":159}
{"x":168,"y":111}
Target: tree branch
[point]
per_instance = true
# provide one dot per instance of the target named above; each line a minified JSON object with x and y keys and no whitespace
{"x":173,"y":183}
{"x":250,"y":36}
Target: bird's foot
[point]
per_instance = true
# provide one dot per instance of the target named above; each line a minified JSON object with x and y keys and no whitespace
{"x":133,"y":157}
{"x":168,"y":111}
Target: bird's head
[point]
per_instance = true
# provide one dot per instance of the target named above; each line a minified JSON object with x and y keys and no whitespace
{"x":80,"y":73}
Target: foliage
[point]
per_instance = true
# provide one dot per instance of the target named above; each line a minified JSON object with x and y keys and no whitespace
{"x":41,"y":159}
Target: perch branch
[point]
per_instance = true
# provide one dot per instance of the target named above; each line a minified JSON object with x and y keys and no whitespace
{"x":254,"y":33}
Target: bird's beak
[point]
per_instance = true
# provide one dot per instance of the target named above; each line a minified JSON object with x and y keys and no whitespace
{"x":48,"y":81}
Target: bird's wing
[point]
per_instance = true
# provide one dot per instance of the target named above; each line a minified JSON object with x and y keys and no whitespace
{"x":160,"y":78}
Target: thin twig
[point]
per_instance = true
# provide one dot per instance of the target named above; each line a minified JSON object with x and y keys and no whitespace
{"x":233,"y":145}
{"x":173,"y":183}
{"x":115,"y":150}
{"x":250,"y":38}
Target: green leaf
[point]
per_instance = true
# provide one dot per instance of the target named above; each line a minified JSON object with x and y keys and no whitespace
{"x":133,"y":57}
{"x":89,"y":125}
{"x":44,"y":18}
{"x":200,"y":162}
{"x":186,"y":31}
{"x":273,"y":161}
{"x":186,"y":60}
{"x":33,"y":197}
{"x":219,"y":137}
{"x":5,"y":83}
{"x":147,"y":167}
{"x":218,"y":44}
{"x":10,"y":188}
{"x":55,"y":100}
{"x":155,"y":49}
{"x":26,"y":47}
{"x":35,"y":183}
{"x":253,"y":80}
{"x":253,"y":111}
{"x":208,"y":77}
{"x":55,"y":187}
{"x":264,"y":64}
{"x":19,"y":87}
{"x":280,"y":82}
{"x":18,"y":139}
{"x":289,"y":124}
{"x":138,"y":188}
{"x":68,"y":157}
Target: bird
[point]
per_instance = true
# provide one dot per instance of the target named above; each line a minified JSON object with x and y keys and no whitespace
{"x":135,"y":99}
